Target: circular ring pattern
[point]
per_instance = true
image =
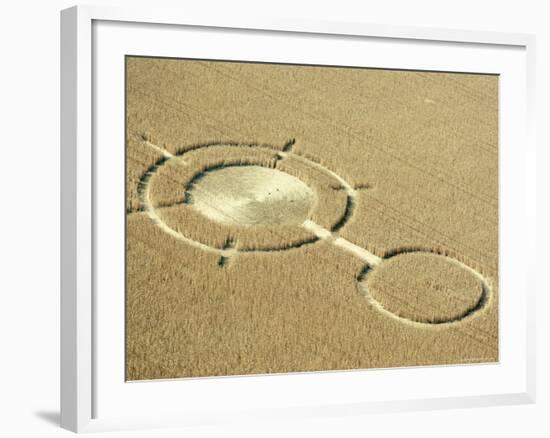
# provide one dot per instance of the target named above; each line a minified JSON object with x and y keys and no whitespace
{"x":425,"y":288}
{"x":169,"y":197}
{"x":234,"y":187}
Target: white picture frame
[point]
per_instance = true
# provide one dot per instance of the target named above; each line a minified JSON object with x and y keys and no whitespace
{"x":85,"y":383}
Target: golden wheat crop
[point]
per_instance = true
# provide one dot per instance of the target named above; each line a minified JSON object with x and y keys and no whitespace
{"x":418,"y":155}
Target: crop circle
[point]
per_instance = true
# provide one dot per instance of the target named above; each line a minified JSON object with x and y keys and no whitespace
{"x":426,"y":288}
{"x":230,"y":198}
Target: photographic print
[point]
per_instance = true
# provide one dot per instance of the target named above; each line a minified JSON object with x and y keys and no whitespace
{"x":295,"y":218}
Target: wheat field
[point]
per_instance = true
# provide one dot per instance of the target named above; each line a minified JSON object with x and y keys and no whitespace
{"x":286,"y":218}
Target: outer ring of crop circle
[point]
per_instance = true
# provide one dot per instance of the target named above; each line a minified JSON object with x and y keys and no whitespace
{"x":276,"y":152}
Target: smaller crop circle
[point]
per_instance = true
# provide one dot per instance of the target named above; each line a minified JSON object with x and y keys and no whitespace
{"x":425,"y":288}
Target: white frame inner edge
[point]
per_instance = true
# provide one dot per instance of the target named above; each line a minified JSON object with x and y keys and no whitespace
{"x":92,"y":393}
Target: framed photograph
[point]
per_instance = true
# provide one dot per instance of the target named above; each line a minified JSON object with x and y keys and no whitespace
{"x":270,"y":219}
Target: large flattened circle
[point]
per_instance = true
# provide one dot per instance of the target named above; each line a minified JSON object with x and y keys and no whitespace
{"x":169,"y":194}
{"x":425,"y":288}
{"x":251,"y":195}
